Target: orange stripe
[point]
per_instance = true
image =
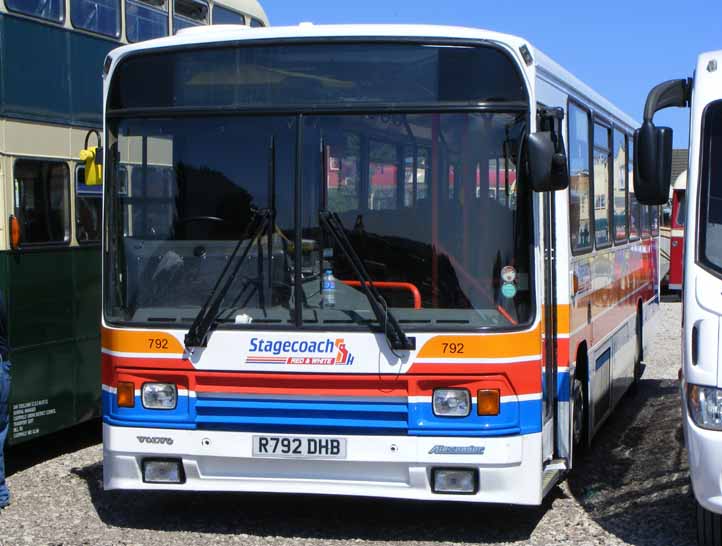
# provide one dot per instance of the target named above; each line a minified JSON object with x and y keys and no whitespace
{"x":483,"y":346}
{"x":133,"y":341}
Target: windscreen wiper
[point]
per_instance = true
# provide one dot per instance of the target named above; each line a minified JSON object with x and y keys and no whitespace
{"x":197,"y":335}
{"x":398,"y":340}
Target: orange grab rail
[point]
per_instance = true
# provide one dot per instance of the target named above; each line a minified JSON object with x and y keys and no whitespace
{"x":390,"y":284}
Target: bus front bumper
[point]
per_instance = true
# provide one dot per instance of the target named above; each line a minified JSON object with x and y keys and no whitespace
{"x":704,"y":450}
{"x":509,"y":468}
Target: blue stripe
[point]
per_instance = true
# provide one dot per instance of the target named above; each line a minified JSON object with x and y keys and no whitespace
{"x":563,"y":386}
{"x":324,"y":417}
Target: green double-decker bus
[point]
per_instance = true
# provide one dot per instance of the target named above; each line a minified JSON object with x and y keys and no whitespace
{"x":51,"y":58}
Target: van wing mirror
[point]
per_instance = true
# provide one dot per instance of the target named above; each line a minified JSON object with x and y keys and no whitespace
{"x":653,"y":145}
{"x":652,"y":164}
{"x":547,"y":166}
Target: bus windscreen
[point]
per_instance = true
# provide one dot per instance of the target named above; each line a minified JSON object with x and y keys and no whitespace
{"x":430,"y":202}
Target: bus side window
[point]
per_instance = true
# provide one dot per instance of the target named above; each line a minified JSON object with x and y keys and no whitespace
{"x":654,"y":219}
{"x":620,"y":187}
{"x":601,"y":184}
{"x":189,"y":13}
{"x":256,"y":22}
{"x":88,"y":210}
{"x":635,"y":213}
{"x":146,"y":19}
{"x":51,"y":10}
{"x":42,"y":201}
{"x":579,"y":187}
{"x":101,"y":16}
{"x":223,"y":16}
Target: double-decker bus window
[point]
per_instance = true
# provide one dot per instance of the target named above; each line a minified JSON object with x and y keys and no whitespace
{"x":189,"y":13}
{"x":602,"y":206}
{"x":224,"y":16}
{"x":635,"y":209}
{"x":88,"y":208}
{"x":101,"y":16}
{"x":41,"y":201}
{"x":580,"y":217}
{"x":256,"y":22}
{"x":51,"y":10}
{"x":620,"y":187}
{"x":146,"y":19}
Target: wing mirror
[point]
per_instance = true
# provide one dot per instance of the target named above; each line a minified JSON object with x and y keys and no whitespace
{"x":652,"y":164}
{"x":653,"y":145}
{"x":546,"y":158}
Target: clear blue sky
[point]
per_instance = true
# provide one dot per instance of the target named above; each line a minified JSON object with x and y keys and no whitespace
{"x":620,"y":47}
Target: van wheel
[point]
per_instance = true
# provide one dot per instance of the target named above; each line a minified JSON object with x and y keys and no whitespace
{"x":709,"y":527}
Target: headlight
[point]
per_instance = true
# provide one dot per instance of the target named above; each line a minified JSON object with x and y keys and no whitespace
{"x":159,"y":396}
{"x":451,"y":402}
{"x":705,"y":406}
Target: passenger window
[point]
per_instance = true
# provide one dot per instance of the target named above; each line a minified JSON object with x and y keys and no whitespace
{"x":223,"y":16}
{"x":88,"y":209}
{"x":620,"y":188}
{"x":101,"y":16}
{"x":41,"y":201}
{"x":654,"y":219}
{"x":146,"y":19}
{"x":51,"y":10}
{"x":579,"y":186}
{"x":256,"y":22}
{"x":189,"y":13}
{"x":635,"y":213}
{"x":601,"y":186}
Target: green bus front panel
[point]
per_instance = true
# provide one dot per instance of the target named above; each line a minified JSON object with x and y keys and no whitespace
{"x":53,"y":314}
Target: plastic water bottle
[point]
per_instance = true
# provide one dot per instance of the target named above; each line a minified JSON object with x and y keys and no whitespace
{"x":328,"y":289}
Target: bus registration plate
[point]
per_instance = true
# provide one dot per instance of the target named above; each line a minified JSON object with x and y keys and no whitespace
{"x":301,"y":447}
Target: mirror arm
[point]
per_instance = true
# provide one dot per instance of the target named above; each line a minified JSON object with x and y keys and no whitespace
{"x":667,"y":94}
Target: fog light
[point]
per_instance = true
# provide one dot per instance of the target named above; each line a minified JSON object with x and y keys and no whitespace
{"x":159,"y":396}
{"x":163,"y":471}
{"x":459,"y":481}
{"x":451,"y":402}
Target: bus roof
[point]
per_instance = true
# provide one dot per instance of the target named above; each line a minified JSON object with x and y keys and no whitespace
{"x":228,"y":33}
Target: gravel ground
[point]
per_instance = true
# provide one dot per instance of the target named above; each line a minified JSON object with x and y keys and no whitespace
{"x":632,"y":488}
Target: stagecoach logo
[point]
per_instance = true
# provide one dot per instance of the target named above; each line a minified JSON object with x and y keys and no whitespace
{"x":457,"y":450}
{"x":322,"y":352}
{"x":155,"y":440}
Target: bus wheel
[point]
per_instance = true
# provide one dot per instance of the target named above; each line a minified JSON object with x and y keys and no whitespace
{"x":579,"y":430}
{"x":709,"y":527}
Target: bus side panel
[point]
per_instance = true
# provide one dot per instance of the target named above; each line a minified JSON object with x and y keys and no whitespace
{"x":86,"y":265}
{"x":43,"y":351}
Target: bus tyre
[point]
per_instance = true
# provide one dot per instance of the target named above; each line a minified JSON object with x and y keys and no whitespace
{"x":709,"y":527}
{"x":579,"y":416}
